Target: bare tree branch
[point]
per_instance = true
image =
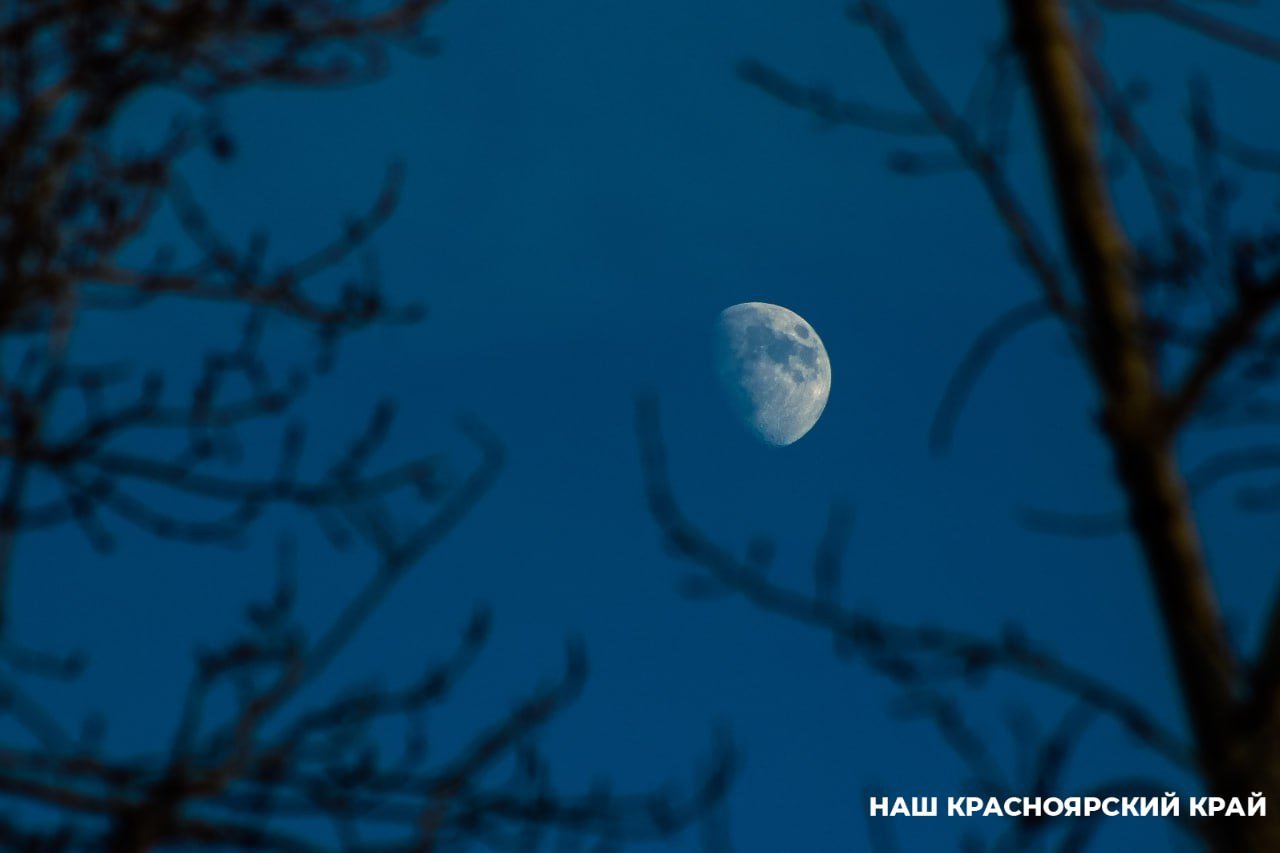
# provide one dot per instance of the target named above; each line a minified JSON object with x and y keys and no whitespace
{"x":909,"y":655}
{"x":273,"y":771}
{"x":1134,"y":411}
{"x":1198,"y":21}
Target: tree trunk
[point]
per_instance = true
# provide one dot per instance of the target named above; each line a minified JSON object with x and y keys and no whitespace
{"x":1236,"y":757}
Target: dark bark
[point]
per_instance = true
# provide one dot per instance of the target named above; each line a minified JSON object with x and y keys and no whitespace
{"x":1235,"y":757}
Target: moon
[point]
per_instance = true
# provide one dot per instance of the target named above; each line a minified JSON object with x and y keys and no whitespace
{"x":774,"y":369}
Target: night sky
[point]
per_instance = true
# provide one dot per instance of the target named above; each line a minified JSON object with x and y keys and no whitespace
{"x":588,"y":185}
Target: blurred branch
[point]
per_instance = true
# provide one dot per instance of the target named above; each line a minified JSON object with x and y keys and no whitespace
{"x":1203,"y":23}
{"x":1231,"y":711}
{"x":974,"y":363}
{"x":827,"y":108}
{"x":251,"y":783}
{"x":909,"y":655}
{"x":1196,"y":301}
{"x":1255,"y":305}
{"x":251,"y":764}
{"x":982,"y":159}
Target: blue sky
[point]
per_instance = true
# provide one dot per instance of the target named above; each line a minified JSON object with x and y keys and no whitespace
{"x":588,"y":186}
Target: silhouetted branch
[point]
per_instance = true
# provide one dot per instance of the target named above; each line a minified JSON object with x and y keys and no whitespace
{"x":1196,"y":303}
{"x":100,"y":444}
{"x":1254,"y":305}
{"x":829,"y":109}
{"x":1133,"y":406}
{"x":982,"y":159}
{"x":974,"y":363}
{"x":1158,"y":174}
{"x":1199,"y":21}
{"x":909,"y":655}
{"x":246,"y":781}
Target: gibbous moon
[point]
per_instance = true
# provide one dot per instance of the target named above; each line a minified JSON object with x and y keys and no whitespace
{"x":774,"y":368}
